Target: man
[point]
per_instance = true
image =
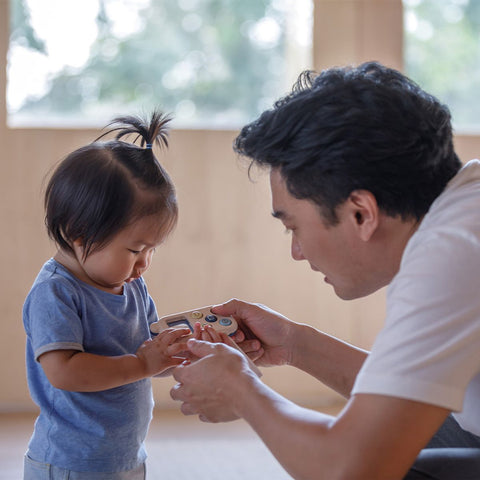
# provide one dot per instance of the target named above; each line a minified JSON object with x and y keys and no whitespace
{"x":364,"y":175}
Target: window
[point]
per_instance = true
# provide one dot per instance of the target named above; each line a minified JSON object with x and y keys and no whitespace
{"x":210,"y":63}
{"x":442,"y":53}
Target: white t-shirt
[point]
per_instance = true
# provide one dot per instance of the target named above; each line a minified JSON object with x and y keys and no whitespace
{"x":429,"y":348}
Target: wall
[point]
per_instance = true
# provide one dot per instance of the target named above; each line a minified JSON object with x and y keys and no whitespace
{"x":226,"y":243}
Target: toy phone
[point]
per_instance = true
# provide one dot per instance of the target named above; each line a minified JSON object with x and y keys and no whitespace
{"x":204,"y":316}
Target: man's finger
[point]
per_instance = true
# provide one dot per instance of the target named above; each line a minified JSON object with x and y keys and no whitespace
{"x":201,"y":349}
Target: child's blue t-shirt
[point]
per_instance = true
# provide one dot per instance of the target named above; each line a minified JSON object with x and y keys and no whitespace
{"x":94,"y":431}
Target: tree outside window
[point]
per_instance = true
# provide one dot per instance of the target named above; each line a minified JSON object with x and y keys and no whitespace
{"x":210,"y":63}
{"x":442,"y":54}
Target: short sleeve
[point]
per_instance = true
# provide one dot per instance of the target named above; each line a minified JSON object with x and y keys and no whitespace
{"x":150,"y":308}
{"x":428,"y":350}
{"x":52,"y":317}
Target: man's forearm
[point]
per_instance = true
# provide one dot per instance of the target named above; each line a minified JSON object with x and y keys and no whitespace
{"x":332,"y":361}
{"x":374,"y":437}
{"x":297,"y":437}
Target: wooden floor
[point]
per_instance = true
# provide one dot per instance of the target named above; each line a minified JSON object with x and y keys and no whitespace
{"x":179,"y":448}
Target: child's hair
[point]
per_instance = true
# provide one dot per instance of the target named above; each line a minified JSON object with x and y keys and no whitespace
{"x":101,"y":188}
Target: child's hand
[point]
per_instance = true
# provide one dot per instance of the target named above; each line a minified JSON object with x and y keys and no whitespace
{"x":160,"y":353}
{"x":208,"y":334}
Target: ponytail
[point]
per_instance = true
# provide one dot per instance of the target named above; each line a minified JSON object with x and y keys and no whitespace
{"x":150,"y":132}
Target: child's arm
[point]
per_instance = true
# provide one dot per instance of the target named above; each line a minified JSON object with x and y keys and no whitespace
{"x":85,"y":372}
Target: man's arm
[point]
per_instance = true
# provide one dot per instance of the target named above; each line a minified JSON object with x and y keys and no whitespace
{"x":332,"y":361}
{"x":375,"y":437}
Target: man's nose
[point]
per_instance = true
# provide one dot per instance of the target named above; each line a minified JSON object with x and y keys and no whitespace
{"x":296,"y":250}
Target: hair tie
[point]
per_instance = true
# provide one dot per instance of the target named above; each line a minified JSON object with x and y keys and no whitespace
{"x":148,"y":145}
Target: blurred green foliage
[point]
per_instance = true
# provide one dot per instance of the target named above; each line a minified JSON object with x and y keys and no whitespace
{"x":195,"y":59}
{"x":200,"y":61}
{"x":442,"y":54}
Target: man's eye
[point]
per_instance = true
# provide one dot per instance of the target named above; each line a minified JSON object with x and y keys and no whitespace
{"x":134,"y":251}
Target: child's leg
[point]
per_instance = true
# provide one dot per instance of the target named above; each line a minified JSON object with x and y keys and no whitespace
{"x":33,"y":470}
{"x":138,"y":473}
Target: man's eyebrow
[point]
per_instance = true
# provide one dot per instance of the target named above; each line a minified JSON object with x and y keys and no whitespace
{"x":279,"y":214}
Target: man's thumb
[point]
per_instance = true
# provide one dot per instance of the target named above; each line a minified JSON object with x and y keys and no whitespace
{"x":200,"y":348}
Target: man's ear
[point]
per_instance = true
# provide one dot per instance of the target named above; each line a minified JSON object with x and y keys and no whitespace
{"x":364,"y":212}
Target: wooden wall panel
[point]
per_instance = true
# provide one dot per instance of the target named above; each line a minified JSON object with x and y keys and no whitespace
{"x":354,"y":31}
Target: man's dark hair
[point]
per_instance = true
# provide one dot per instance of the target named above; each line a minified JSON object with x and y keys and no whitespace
{"x":345,"y":129}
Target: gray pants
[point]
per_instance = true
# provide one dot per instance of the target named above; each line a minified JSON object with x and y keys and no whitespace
{"x":452,"y":454}
{"x":43,"y":471}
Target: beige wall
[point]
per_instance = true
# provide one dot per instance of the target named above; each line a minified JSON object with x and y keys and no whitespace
{"x":226,"y":243}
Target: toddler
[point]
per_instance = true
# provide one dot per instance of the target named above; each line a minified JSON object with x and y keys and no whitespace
{"x":90,"y":355}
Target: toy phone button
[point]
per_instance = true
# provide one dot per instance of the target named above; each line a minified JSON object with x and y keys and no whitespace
{"x":197,"y":315}
{"x":225,"y":322}
{"x":211,"y":318}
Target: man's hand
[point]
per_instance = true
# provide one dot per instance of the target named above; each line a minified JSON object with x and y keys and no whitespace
{"x":264,"y":335}
{"x":213,"y":385}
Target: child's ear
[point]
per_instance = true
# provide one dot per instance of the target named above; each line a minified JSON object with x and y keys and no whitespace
{"x":78,"y":248}
{"x":364,"y":213}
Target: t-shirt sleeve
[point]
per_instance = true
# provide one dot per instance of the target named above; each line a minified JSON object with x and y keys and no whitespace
{"x":428,"y":350}
{"x":151,"y":311}
{"x":52,"y":318}
{"x":150,"y":307}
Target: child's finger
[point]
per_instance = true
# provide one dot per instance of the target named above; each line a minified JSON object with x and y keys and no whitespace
{"x":172,"y":334}
{"x":206,"y":334}
{"x":197,"y":331}
{"x":214,"y":335}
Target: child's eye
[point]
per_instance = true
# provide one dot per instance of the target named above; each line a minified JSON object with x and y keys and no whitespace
{"x":136,"y":252}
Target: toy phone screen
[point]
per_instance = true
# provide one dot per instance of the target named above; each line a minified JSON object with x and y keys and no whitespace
{"x":181,"y":322}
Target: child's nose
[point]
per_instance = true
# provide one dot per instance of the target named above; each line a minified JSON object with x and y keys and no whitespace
{"x":143,"y":260}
